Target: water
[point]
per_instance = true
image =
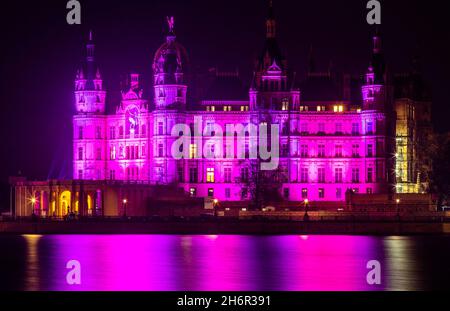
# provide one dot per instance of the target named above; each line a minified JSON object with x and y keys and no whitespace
{"x":224,"y":262}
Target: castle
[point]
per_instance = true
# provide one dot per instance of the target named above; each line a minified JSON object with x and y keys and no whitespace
{"x":329,"y":142}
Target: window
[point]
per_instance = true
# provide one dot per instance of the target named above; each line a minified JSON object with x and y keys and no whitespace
{"x":136,"y":152}
{"x":210,"y":175}
{"x":112,"y":175}
{"x":244,"y":193}
{"x":286,"y":193}
{"x":211,"y":192}
{"x":369,"y":174}
{"x":227,"y":175}
{"x":370,"y":151}
{"x":226,"y":108}
{"x":80,"y":174}
{"x":244,"y":108}
{"x":369,"y":128}
{"x":285,"y":104}
{"x":355,"y":151}
{"x":112,"y":154}
{"x":304,"y":128}
{"x":338,"y":151}
{"x":338,"y":175}
{"x":160,"y":150}
{"x":227,"y":193}
{"x":128,"y":152}
{"x":321,"y":175}
{"x":304,"y":151}
{"x":80,"y":153}
{"x":304,"y":193}
{"x":211,"y":108}
{"x":180,"y":171}
{"x":321,"y":193}
{"x":304,"y":175}
{"x":338,"y":193}
{"x":132,"y":152}
{"x":369,"y":190}
{"x":143,"y":151}
{"x":98,"y":154}
{"x":144,"y":131}
{"x":193,"y":175}
{"x":304,"y":108}
{"x":320,"y":108}
{"x":121,"y":132}
{"x":80,"y":132}
{"x":338,"y":108}
{"x":355,"y":175}
{"x":160,"y":128}
{"x":355,"y":129}
{"x":244,"y":174}
{"x":193,"y":192}
{"x":338,"y":128}
{"x":321,"y":128}
{"x":321,"y":151}
{"x":112,"y":132}
{"x":192,"y":151}
{"x":98,"y":132}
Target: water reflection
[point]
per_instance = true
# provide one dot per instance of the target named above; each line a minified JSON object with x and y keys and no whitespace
{"x":220,"y":262}
{"x":32,"y":270}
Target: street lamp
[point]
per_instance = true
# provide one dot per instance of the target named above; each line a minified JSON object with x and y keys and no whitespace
{"x":125,"y":201}
{"x":33,"y":205}
{"x":397,"y":202}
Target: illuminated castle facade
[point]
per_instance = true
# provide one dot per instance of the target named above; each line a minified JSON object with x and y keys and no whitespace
{"x":329,"y":143}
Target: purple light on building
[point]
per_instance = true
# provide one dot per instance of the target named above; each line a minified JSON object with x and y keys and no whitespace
{"x":328,"y":145}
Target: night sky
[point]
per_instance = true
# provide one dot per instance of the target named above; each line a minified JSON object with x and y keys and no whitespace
{"x":41,"y":53}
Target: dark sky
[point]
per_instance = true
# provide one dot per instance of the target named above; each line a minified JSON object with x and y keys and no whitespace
{"x":41,"y":53}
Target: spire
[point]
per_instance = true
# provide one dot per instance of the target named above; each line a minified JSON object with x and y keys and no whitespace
{"x":90,"y":47}
{"x":377,"y":42}
{"x":270,"y":22}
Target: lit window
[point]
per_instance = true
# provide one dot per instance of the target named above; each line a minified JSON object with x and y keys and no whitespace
{"x":210,"y":175}
{"x":304,"y":108}
{"x":192,"y":151}
{"x":285,"y":104}
{"x":244,"y":108}
{"x":338,"y":108}
{"x":211,"y":108}
{"x":113,"y":153}
{"x":193,"y":192}
{"x":320,"y":108}
{"x":226,"y":108}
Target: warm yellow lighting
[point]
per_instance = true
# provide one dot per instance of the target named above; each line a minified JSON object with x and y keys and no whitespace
{"x":398,"y":201}
{"x":306,"y":201}
{"x":216,"y":201}
{"x":125,"y":201}
{"x":33,"y":200}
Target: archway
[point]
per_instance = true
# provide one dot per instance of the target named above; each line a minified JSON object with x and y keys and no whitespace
{"x":64,"y":203}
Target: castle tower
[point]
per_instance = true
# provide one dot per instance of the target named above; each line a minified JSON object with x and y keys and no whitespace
{"x":89,"y":93}
{"x":373,"y":89}
{"x":169,"y":84}
{"x":89,"y":122}
{"x":169,"y":73}
{"x":270,"y":88}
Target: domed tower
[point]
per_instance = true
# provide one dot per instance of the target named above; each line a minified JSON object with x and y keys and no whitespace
{"x":169,"y":67}
{"x":169,"y":84}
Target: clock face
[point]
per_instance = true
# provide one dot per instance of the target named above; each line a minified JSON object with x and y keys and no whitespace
{"x":133,"y":117}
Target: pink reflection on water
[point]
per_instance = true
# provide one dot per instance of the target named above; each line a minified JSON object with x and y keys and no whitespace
{"x":224,"y":262}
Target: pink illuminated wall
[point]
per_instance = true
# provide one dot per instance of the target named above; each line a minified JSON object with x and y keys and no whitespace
{"x":327,"y":148}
